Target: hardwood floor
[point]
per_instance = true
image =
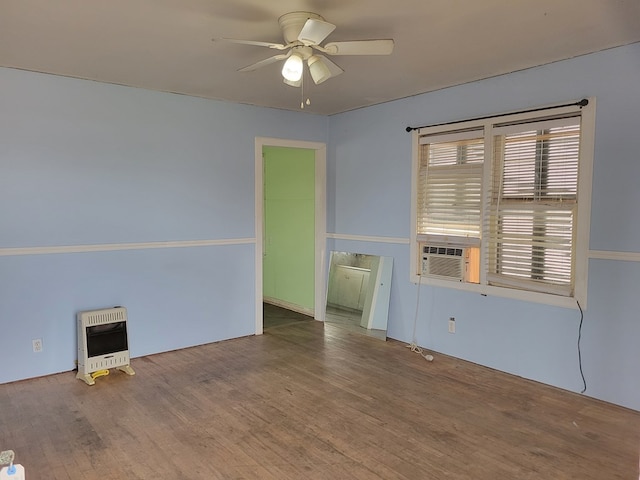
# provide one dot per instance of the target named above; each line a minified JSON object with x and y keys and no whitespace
{"x":313,"y":401}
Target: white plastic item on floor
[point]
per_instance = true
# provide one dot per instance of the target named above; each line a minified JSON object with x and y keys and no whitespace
{"x":14,"y":472}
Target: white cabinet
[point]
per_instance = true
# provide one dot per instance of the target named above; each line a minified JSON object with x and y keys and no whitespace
{"x":349,"y":287}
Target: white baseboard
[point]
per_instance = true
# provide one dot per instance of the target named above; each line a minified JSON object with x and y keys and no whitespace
{"x":289,"y":306}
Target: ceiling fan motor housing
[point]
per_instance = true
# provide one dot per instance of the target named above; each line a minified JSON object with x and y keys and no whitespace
{"x":291,"y":24}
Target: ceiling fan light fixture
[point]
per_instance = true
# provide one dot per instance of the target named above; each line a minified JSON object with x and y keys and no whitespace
{"x":318,"y":69}
{"x":292,"y":69}
{"x":292,"y":83}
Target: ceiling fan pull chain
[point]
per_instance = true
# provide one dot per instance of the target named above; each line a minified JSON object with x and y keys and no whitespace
{"x":302,"y":102}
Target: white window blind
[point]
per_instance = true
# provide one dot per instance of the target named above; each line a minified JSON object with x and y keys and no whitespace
{"x":533,"y":206}
{"x":450,"y":185}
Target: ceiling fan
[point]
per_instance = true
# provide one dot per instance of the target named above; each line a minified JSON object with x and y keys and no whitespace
{"x":303,"y":33}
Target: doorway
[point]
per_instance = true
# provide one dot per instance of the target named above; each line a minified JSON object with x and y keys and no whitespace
{"x":288,"y":247}
{"x":319,"y":157}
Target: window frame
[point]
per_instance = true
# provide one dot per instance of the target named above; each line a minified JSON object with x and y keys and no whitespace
{"x":582,"y":219}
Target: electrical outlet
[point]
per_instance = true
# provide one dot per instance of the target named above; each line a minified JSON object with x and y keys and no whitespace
{"x":37,"y":345}
{"x":452,"y":325}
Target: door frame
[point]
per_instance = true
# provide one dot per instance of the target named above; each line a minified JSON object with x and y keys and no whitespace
{"x":320,"y":150}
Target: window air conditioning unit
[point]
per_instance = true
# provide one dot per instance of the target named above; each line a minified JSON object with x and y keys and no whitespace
{"x":450,"y":263}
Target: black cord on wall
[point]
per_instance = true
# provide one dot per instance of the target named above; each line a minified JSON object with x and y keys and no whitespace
{"x":584,"y":382}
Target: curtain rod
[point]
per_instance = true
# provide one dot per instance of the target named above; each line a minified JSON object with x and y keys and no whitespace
{"x":582,"y":103}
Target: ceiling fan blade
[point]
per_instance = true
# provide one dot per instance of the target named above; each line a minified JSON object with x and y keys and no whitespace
{"x":360,"y":47}
{"x":265,"y":62}
{"x":315,"y":31}
{"x":277,"y":46}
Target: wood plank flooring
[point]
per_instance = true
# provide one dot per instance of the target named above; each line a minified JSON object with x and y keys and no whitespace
{"x":311,"y":401}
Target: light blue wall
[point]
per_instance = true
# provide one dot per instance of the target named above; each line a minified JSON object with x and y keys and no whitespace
{"x":369,"y":175}
{"x":86,"y":163}
{"x":175,"y":297}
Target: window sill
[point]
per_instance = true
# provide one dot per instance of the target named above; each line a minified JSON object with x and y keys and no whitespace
{"x":493,"y":291}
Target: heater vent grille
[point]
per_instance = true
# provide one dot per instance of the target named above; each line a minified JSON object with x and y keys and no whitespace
{"x":102,"y":317}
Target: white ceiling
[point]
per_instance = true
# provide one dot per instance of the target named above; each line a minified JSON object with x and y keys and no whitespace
{"x":167,"y":45}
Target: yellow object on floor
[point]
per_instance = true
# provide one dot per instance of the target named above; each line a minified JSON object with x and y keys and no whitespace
{"x":99,"y":373}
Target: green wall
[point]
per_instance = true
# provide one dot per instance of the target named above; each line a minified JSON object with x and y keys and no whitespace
{"x":289,"y":223}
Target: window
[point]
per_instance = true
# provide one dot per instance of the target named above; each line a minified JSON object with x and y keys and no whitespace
{"x":450,"y":184}
{"x":514,"y":193}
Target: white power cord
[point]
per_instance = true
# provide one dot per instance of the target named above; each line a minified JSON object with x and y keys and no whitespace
{"x":413,"y":346}
{"x":417,"y":349}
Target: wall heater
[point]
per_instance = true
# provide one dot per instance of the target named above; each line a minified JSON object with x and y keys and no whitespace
{"x":102,"y":342}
